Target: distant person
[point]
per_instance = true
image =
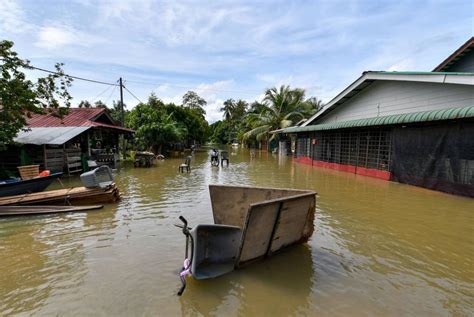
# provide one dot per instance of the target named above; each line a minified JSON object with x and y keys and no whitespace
{"x":214,"y":157}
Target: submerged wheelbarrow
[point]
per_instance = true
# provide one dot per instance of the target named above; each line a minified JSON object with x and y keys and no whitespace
{"x":251,"y":223}
{"x":213,"y":251}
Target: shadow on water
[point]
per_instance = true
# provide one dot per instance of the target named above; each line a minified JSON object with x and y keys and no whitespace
{"x":268,"y":287}
{"x":43,"y":257}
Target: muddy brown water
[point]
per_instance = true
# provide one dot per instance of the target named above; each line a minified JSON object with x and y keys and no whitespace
{"x":379,"y":248}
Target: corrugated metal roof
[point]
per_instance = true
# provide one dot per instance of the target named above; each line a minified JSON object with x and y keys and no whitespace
{"x":50,"y":135}
{"x":424,"y":73}
{"x":422,"y":116}
{"x":105,"y":125}
{"x":77,"y":117}
{"x":369,"y":77}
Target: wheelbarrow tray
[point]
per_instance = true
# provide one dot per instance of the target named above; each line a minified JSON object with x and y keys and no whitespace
{"x":215,"y":250}
{"x":270,"y":218}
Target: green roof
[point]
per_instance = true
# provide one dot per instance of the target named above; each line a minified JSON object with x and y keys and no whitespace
{"x":424,"y":73}
{"x":422,"y":116}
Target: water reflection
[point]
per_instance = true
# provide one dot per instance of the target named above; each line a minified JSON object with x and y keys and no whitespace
{"x":379,"y":248}
{"x":264,"y":288}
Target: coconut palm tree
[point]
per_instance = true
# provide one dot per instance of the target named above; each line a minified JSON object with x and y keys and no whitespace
{"x":228,"y":109}
{"x":314,"y":104}
{"x":280,"y":109}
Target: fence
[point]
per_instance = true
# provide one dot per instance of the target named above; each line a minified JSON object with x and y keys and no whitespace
{"x":368,"y":148}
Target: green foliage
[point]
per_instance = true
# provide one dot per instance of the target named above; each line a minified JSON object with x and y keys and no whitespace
{"x":153,"y":126}
{"x":20,"y":96}
{"x":313,"y":105}
{"x":281,"y":108}
{"x":193,"y":101}
{"x":220,"y":132}
{"x":84,"y":104}
{"x":100,"y":104}
{"x":116,"y":111}
{"x":232,"y":127}
{"x":158,"y":124}
{"x":191,"y":121}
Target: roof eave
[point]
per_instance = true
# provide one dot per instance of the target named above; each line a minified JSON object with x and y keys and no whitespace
{"x":371,"y":76}
{"x":454,"y":55}
{"x":405,"y":118}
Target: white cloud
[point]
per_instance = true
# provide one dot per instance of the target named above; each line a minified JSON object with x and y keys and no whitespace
{"x":211,"y":92}
{"x":12,"y":17}
{"x":56,"y":36}
{"x":404,"y":64}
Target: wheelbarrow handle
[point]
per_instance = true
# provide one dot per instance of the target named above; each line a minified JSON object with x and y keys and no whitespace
{"x":185,"y":228}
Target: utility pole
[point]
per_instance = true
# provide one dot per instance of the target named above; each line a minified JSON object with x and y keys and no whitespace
{"x":121,"y":101}
{"x":123,"y":116}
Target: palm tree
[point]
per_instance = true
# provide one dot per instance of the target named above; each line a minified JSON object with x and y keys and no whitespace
{"x":240,"y":109}
{"x":228,"y":109}
{"x":314,"y":104}
{"x":280,"y":109}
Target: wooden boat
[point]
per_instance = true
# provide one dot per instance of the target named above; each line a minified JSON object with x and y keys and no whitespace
{"x":35,"y":210}
{"x":32,"y":185}
{"x":74,"y":195}
{"x":251,"y":223}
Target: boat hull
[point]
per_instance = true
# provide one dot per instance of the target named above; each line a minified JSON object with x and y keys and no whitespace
{"x":32,"y":185}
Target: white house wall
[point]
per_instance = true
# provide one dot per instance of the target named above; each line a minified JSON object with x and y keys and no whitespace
{"x":383,"y":98}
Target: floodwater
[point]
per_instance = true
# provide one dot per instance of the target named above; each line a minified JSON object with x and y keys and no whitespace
{"x":379,"y":249}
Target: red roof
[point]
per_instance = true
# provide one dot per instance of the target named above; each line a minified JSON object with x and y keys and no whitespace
{"x":77,"y":117}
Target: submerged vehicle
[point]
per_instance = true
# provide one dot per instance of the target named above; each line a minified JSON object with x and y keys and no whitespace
{"x":250,"y":223}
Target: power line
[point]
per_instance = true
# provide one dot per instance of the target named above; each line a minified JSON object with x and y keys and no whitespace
{"x":103,"y":92}
{"x":111,"y":93}
{"x":75,"y":77}
{"x":252,"y":93}
{"x":132,"y":94}
{"x":193,"y":87}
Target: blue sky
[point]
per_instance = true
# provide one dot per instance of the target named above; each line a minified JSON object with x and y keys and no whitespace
{"x":231,"y":49}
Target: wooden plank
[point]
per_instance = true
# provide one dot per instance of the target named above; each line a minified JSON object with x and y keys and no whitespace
{"x":55,"y":160}
{"x":54,"y":151}
{"x":230,"y":204}
{"x":291,"y":224}
{"x":73,"y":158}
{"x":35,"y":210}
{"x":258,"y":230}
{"x":60,"y":196}
{"x":274,"y":224}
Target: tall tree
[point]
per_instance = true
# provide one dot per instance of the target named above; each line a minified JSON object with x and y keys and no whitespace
{"x":153,"y":126}
{"x":116,"y":111}
{"x":84,"y":104}
{"x":240,"y":109}
{"x":20,"y":96}
{"x":100,"y":104}
{"x":193,"y":101}
{"x":281,"y":107}
{"x":314,"y":104}
{"x":228,"y":109}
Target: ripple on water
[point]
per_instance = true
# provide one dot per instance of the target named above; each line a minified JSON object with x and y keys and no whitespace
{"x":379,"y":248}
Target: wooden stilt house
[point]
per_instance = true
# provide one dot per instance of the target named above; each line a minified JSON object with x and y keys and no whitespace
{"x":65,"y":144}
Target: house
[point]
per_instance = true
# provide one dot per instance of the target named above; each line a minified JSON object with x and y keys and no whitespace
{"x":64,"y":143}
{"x":411,"y":127}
